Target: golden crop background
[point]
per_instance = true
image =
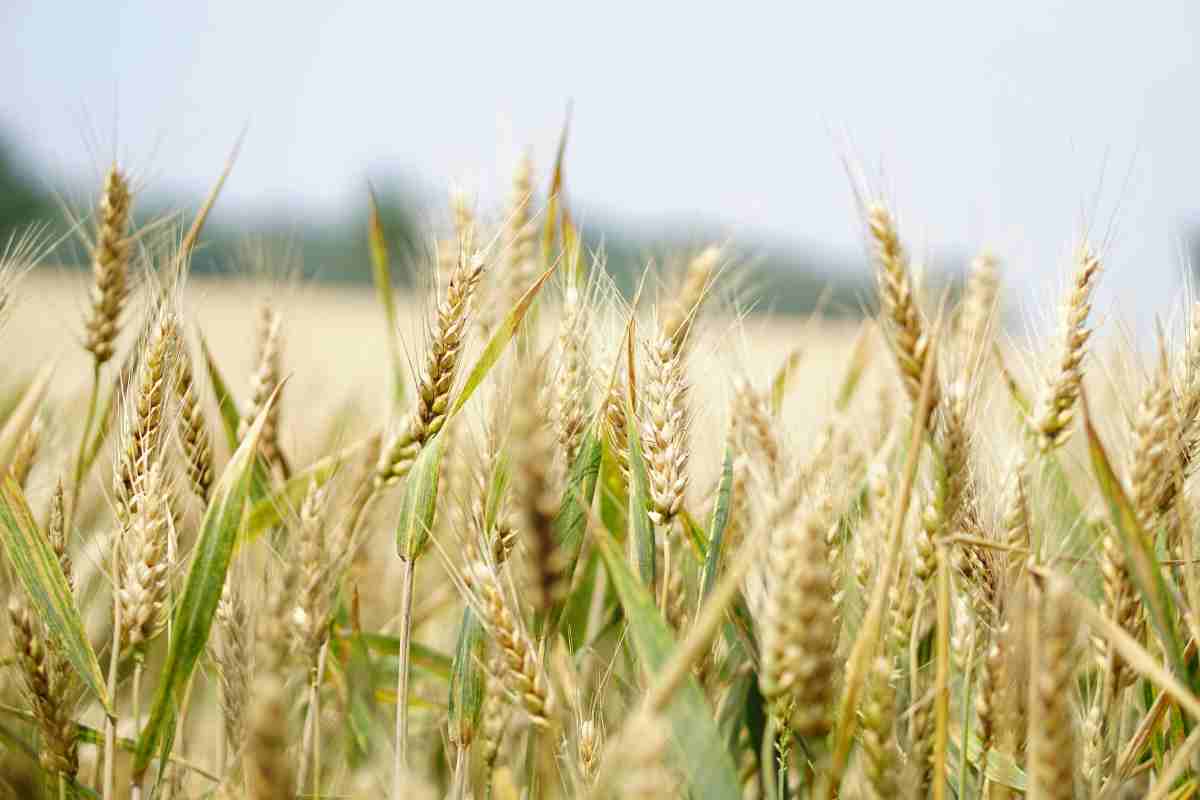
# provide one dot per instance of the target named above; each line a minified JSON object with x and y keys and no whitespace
{"x":589,"y":550}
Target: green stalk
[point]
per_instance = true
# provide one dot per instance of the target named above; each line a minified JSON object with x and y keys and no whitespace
{"x":135,"y":791}
{"x":400,"y":762}
{"x":110,"y":722}
{"x":968,"y":686}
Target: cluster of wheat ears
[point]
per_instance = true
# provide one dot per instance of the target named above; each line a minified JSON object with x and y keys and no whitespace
{"x":526,"y":583}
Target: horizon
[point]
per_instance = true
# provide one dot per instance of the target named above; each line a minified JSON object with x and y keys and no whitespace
{"x":1000,"y":130}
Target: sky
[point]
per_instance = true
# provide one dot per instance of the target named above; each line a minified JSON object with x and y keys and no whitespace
{"x":1016,"y":126}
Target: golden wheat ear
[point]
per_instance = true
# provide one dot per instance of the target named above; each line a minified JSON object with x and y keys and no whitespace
{"x":898,"y":303}
{"x":1056,"y":407}
{"x":110,"y":265}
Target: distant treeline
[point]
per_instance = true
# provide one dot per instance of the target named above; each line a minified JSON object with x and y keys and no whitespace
{"x":773,"y":277}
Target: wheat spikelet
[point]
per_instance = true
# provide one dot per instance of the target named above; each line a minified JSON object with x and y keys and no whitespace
{"x":680,"y":315}
{"x":920,"y":744}
{"x":753,"y":420}
{"x":47,"y":679}
{"x":953,"y":484}
{"x":520,"y":235}
{"x":495,"y":716}
{"x":269,"y":772}
{"x":1095,"y":753}
{"x":676,"y":589}
{"x":588,"y":748}
{"x":521,"y":668}
{"x":232,"y":650}
{"x":1121,"y":604}
{"x":437,"y":379}
{"x":1056,"y":406}
{"x":317,"y":563}
{"x":571,"y":381}
{"x":1189,"y":394}
{"x":902,"y":609}
{"x":26,"y":454}
{"x":58,"y":536}
{"x":501,"y":537}
{"x":274,"y":623}
{"x":1155,"y":454}
{"x":263,"y":383}
{"x":664,"y":432}
{"x":798,"y":635}
{"x":986,"y":697}
{"x":110,"y":266}
{"x":534,"y":493}
{"x":616,"y":426}
{"x":896,"y":296}
{"x":144,"y":415}
{"x":981,"y":300}
{"x":871,"y":534}
{"x":142,"y":583}
{"x":192,"y":428}
{"x":1051,"y":725}
{"x":880,"y":751}
{"x":1015,"y":524}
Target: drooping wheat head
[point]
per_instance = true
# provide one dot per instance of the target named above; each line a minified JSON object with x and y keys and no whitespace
{"x":902,"y":316}
{"x":522,"y":671}
{"x":47,"y":679}
{"x":436,"y":381}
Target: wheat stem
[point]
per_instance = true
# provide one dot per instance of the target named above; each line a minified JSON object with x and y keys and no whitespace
{"x":400,"y":764}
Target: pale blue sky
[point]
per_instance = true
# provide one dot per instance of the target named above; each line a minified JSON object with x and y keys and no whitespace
{"x":993,"y":123}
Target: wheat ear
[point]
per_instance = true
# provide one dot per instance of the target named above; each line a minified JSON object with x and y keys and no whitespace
{"x":1056,"y":406}
{"x":898,"y":302}
{"x":110,"y":266}
{"x":437,"y":379}
{"x":798,"y":635}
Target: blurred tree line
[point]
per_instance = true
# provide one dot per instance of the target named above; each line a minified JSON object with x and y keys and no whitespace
{"x":783,"y":279}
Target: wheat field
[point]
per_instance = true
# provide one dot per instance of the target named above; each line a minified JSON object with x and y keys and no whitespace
{"x":514,"y":535}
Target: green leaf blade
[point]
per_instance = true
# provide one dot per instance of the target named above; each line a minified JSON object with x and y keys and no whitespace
{"x":193,"y":616}
{"x":717,"y":525}
{"x":697,"y":740}
{"x":1147,"y":573}
{"x":641,"y":526}
{"x":467,"y":683}
{"x":38,"y":569}
{"x":499,"y":341}
{"x":418,"y":505}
